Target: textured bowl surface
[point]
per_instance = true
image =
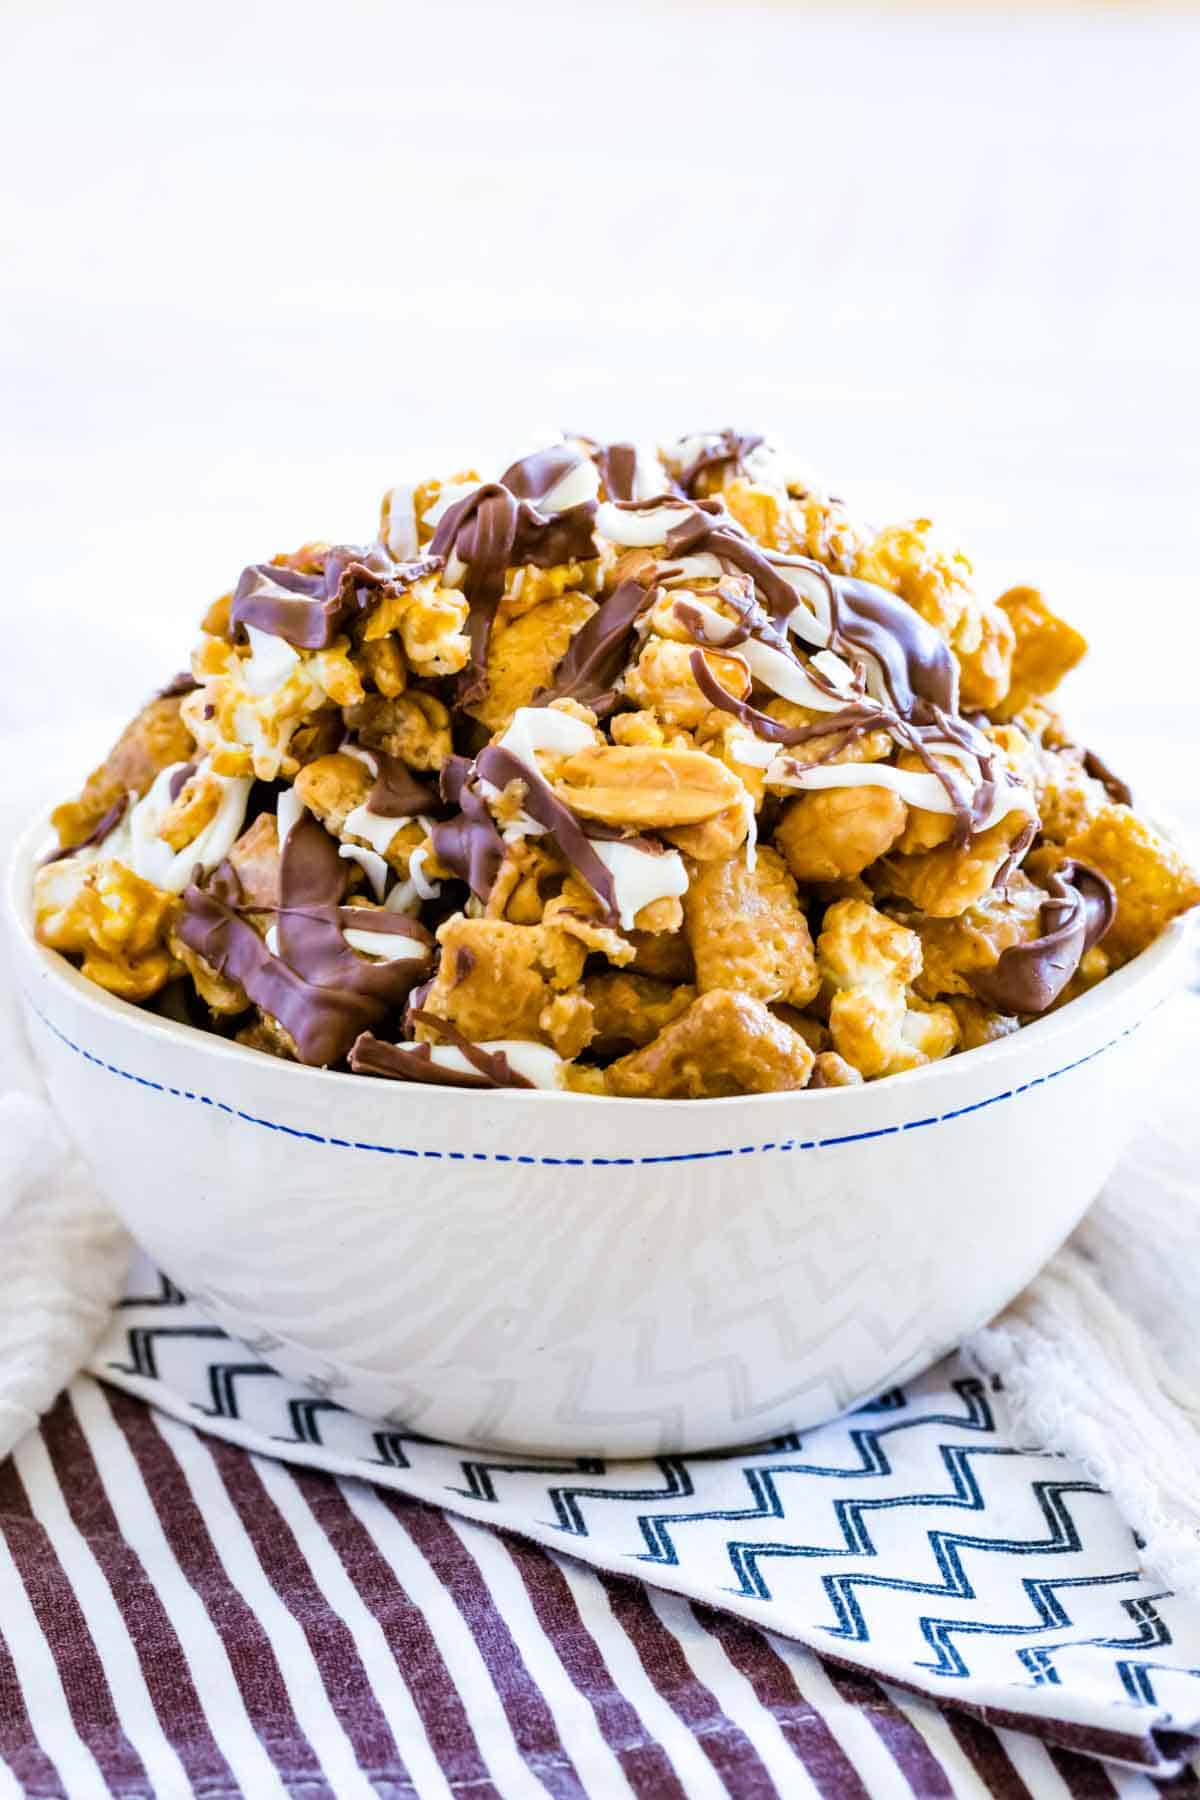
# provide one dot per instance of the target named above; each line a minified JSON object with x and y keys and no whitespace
{"x":580,"y":1276}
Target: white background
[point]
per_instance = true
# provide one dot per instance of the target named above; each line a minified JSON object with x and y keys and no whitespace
{"x":258,"y":262}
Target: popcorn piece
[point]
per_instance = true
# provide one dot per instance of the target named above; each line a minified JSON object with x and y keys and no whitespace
{"x":333,"y":787}
{"x":870,"y":962}
{"x":834,"y":833}
{"x":937,"y":584}
{"x":153,"y":741}
{"x":1153,"y":880}
{"x":567,"y":1021}
{"x":723,"y":1044}
{"x":984,"y":654}
{"x":222,"y":996}
{"x":872,"y":746}
{"x":252,"y":704}
{"x":674,"y":613}
{"x":805,"y":524}
{"x":414,"y":726}
{"x":748,"y":932}
{"x":118,"y":923}
{"x":1068,"y":798}
{"x":924,"y":829}
{"x":643,"y":728}
{"x":383,"y":665}
{"x":662,"y":680}
{"x":517,"y":894}
{"x":430,"y":621}
{"x":945,"y":881}
{"x":832,"y":1070}
{"x":1047,"y":648}
{"x":193,"y":809}
{"x":530,"y":586}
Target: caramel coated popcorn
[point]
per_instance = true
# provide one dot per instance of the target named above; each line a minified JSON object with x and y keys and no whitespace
{"x":650,"y":776}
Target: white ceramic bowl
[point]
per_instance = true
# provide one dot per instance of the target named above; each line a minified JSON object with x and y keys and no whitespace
{"x":566,"y":1274}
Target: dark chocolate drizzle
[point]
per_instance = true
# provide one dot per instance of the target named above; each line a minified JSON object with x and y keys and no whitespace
{"x":414,"y":1062}
{"x":597,"y":654}
{"x":1021,"y":843}
{"x":105,"y":825}
{"x":617,"y":464}
{"x":534,"y":477}
{"x":1027,"y":978}
{"x":917,"y":673}
{"x":856,"y":720}
{"x":309,"y":610}
{"x":1114,"y":787}
{"x":497,"y":526}
{"x":692,"y":620}
{"x":851,"y":722}
{"x":469,"y":843}
{"x":180,"y":779}
{"x":396,"y":793}
{"x":317,"y":987}
{"x":914,"y":663}
{"x":481,"y":530}
{"x":183,"y":683}
{"x":500,"y":766}
{"x":709,"y":530}
{"x":726,"y":447}
{"x":384,"y":923}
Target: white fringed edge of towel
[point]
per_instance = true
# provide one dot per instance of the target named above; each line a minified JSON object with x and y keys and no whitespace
{"x":63,"y":1257}
{"x":1100,"y":1356}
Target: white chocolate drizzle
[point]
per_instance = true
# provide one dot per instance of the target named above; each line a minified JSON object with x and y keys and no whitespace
{"x":385,"y":946}
{"x":640,"y":527}
{"x":137,"y":841}
{"x":375,"y":828}
{"x":271,"y":662}
{"x":538,"y":1063}
{"x":640,"y":876}
{"x":374,"y":866}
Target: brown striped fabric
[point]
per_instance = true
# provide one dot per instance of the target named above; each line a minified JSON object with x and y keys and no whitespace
{"x":179,"y":1616}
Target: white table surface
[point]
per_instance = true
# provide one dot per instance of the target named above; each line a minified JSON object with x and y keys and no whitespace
{"x":258,"y":261}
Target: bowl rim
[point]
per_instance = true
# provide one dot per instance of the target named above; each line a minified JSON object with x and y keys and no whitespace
{"x":24,"y":855}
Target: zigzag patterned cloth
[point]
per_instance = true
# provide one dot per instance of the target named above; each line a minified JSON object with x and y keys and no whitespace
{"x":914,"y":1541}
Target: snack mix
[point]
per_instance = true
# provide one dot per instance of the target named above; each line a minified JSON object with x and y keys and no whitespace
{"x":631,"y":774}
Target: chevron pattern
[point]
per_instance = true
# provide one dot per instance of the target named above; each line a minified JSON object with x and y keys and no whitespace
{"x":913,"y":1539}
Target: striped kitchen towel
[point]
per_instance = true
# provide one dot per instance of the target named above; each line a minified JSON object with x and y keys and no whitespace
{"x":762,"y":1600}
{"x":183,"y":1616}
